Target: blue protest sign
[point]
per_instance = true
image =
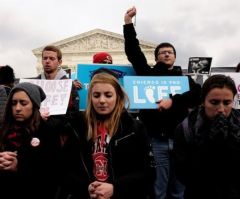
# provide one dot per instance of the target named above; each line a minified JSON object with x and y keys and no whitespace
{"x":85,"y":71}
{"x":145,"y":91}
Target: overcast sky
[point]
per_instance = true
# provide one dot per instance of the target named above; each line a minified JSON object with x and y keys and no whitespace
{"x":196,"y":28}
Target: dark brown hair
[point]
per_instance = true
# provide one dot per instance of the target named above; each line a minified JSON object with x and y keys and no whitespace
{"x":7,"y":76}
{"x":164,"y":45}
{"x":54,"y":49}
{"x":9,"y":122}
{"x":217,"y":81}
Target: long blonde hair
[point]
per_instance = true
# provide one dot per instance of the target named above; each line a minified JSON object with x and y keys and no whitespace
{"x":122,"y":100}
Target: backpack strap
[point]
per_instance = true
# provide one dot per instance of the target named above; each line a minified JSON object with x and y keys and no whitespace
{"x":186,"y":130}
{"x":3,"y":102}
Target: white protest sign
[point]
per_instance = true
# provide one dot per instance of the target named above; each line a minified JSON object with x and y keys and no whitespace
{"x":57,"y":94}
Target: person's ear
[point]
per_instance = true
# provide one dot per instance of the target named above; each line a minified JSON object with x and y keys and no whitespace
{"x":60,"y":62}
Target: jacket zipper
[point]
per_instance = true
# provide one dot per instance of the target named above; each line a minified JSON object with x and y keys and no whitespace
{"x":120,"y":139}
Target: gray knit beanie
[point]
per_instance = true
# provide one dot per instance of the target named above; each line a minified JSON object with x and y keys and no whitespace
{"x":34,"y":91}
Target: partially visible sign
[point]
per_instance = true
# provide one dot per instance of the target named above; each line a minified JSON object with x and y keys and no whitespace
{"x":145,"y":91}
{"x":85,"y":71}
{"x":57,"y":94}
{"x":199,"y":65}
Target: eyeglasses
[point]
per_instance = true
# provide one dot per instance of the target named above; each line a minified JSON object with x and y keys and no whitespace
{"x":166,"y":52}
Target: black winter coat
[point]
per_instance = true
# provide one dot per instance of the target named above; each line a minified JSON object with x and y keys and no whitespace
{"x":38,"y":166}
{"x":160,"y":123}
{"x":76,"y":161}
{"x":129,"y":162}
{"x":207,"y":156}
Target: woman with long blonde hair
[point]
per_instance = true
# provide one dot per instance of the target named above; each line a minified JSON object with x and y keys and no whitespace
{"x":118,"y":142}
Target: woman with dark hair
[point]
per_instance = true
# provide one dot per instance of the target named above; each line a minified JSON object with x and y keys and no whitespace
{"x":30,"y":147}
{"x":207,"y":144}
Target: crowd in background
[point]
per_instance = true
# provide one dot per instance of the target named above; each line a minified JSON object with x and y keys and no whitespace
{"x":188,"y":147}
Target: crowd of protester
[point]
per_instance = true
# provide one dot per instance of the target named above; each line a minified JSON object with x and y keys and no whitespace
{"x":188,"y":147}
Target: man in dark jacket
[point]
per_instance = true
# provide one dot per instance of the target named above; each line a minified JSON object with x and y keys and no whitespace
{"x":161,"y":122}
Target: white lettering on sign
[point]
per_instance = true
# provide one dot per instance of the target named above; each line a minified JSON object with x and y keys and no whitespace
{"x":160,"y":92}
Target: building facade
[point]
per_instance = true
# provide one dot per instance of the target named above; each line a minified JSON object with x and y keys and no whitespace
{"x":80,"y":49}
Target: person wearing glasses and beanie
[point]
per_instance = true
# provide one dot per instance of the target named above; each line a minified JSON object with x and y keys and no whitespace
{"x":161,"y":122}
